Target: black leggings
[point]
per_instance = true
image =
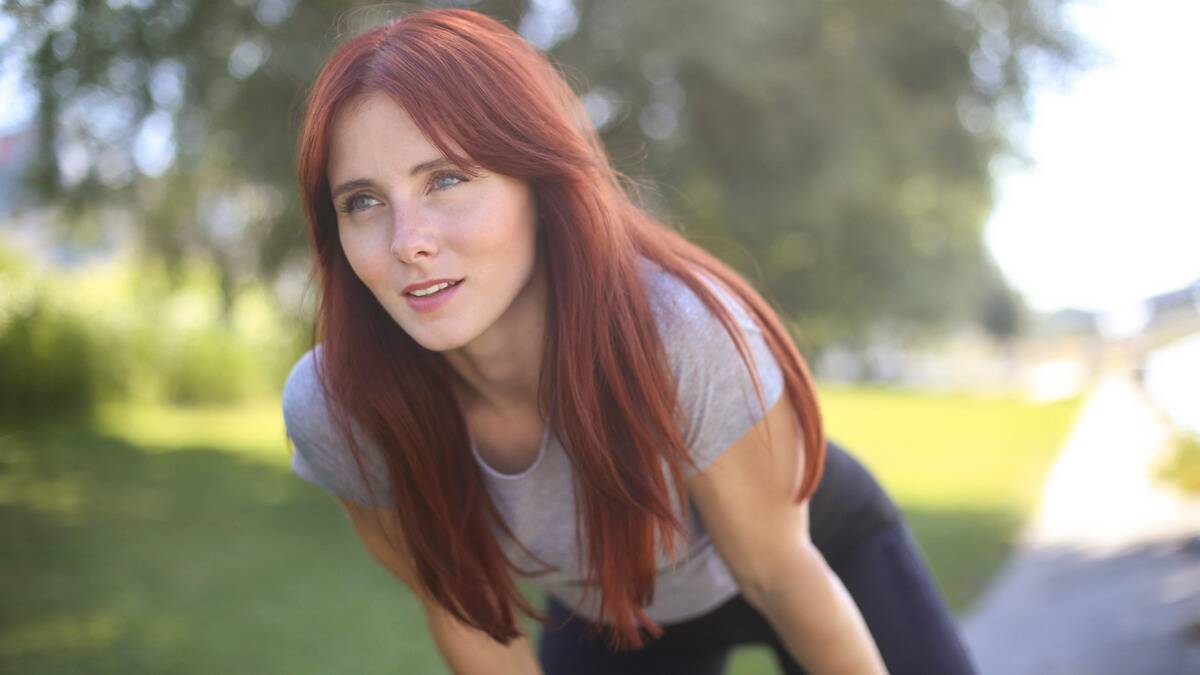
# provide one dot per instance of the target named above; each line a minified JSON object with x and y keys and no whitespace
{"x":884,"y":572}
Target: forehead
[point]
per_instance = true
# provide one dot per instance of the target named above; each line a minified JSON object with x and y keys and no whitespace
{"x":371,"y":135}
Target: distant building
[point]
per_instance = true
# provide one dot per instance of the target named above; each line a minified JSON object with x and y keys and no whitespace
{"x":1181,"y":304}
{"x":1064,"y":322}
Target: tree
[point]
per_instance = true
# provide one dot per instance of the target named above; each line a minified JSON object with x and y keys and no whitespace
{"x":843,"y":145}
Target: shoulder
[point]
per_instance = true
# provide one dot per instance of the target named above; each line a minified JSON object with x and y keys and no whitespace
{"x":321,"y":456}
{"x":714,"y":386}
{"x":306,"y":413}
{"x":302,"y":393}
{"x":681,"y":314}
{"x":305,"y":409}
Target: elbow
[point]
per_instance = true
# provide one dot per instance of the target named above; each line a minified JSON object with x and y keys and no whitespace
{"x":797,"y":570}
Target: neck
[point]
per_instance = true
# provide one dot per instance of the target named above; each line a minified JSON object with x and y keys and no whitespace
{"x":501,"y":367}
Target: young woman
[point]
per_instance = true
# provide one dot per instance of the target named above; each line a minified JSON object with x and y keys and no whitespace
{"x":519,"y":372}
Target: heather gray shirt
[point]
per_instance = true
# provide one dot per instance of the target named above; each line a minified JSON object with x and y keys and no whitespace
{"x":715,"y":391}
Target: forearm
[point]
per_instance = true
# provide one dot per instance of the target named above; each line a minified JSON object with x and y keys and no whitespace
{"x":466,"y":650}
{"x":817,"y":619}
{"x":469,"y":651}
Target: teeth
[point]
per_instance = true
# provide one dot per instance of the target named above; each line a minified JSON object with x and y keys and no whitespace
{"x":433,"y":289}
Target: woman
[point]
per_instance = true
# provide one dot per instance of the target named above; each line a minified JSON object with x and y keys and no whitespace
{"x":521,"y":372}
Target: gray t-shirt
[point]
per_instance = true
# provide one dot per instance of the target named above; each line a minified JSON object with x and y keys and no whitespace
{"x":538,"y":504}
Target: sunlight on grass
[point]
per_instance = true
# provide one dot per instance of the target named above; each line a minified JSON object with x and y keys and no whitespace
{"x":252,"y":429}
{"x":948,"y":450}
{"x":59,"y":495}
{"x":752,"y":660}
{"x":1180,"y":467}
{"x":89,"y":630}
{"x":966,"y":470}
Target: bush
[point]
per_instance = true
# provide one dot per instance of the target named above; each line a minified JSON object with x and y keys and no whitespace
{"x":49,"y":359}
{"x":122,"y":329}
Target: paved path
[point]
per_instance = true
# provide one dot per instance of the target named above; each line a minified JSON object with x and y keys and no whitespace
{"x":1106,"y":580}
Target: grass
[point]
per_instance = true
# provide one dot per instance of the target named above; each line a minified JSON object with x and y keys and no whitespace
{"x":967,"y":471}
{"x":165,"y":540}
{"x":1181,"y":467}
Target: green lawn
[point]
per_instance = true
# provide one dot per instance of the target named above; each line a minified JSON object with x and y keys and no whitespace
{"x":1181,"y":466}
{"x":157,"y":540}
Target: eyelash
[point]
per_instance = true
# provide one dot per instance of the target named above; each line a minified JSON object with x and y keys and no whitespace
{"x":345,"y":207}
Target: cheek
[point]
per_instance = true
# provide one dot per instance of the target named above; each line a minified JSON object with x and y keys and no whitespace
{"x":359,"y":248}
{"x":475,"y":229}
{"x":490,"y":225}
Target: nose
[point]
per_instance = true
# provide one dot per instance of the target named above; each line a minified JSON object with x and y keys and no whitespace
{"x":412,"y":237}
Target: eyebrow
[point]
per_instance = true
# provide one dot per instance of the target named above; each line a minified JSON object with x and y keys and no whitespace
{"x":358,"y":183}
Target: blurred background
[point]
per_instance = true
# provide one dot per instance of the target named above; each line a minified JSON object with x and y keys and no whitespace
{"x":975,"y":216}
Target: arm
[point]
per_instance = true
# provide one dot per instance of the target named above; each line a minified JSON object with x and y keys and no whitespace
{"x":745,"y":502}
{"x":467,"y":650}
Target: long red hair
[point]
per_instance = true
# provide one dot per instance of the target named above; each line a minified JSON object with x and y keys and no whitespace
{"x":468,"y":79}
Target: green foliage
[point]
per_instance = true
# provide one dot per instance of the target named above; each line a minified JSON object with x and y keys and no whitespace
{"x":1001,"y":312}
{"x":121,"y":329}
{"x":185,"y":348}
{"x":838,"y":153}
{"x":48,"y":355}
{"x":1182,"y":464}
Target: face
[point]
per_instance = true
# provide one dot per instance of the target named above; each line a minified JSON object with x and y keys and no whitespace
{"x":409,"y":218}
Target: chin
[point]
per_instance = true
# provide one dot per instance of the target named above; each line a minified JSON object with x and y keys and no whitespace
{"x":437,"y":343}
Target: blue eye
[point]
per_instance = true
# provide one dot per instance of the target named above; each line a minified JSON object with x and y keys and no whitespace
{"x":437,"y":178}
{"x":347,"y":205}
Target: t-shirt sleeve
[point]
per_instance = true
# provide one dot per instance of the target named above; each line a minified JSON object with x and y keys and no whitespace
{"x":714,"y":386}
{"x":320,"y":456}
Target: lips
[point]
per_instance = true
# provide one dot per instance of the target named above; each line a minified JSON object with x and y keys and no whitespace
{"x":430,"y":303}
{"x":408,"y":290}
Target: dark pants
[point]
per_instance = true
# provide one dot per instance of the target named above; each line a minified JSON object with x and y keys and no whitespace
{"x":884,"y":571}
